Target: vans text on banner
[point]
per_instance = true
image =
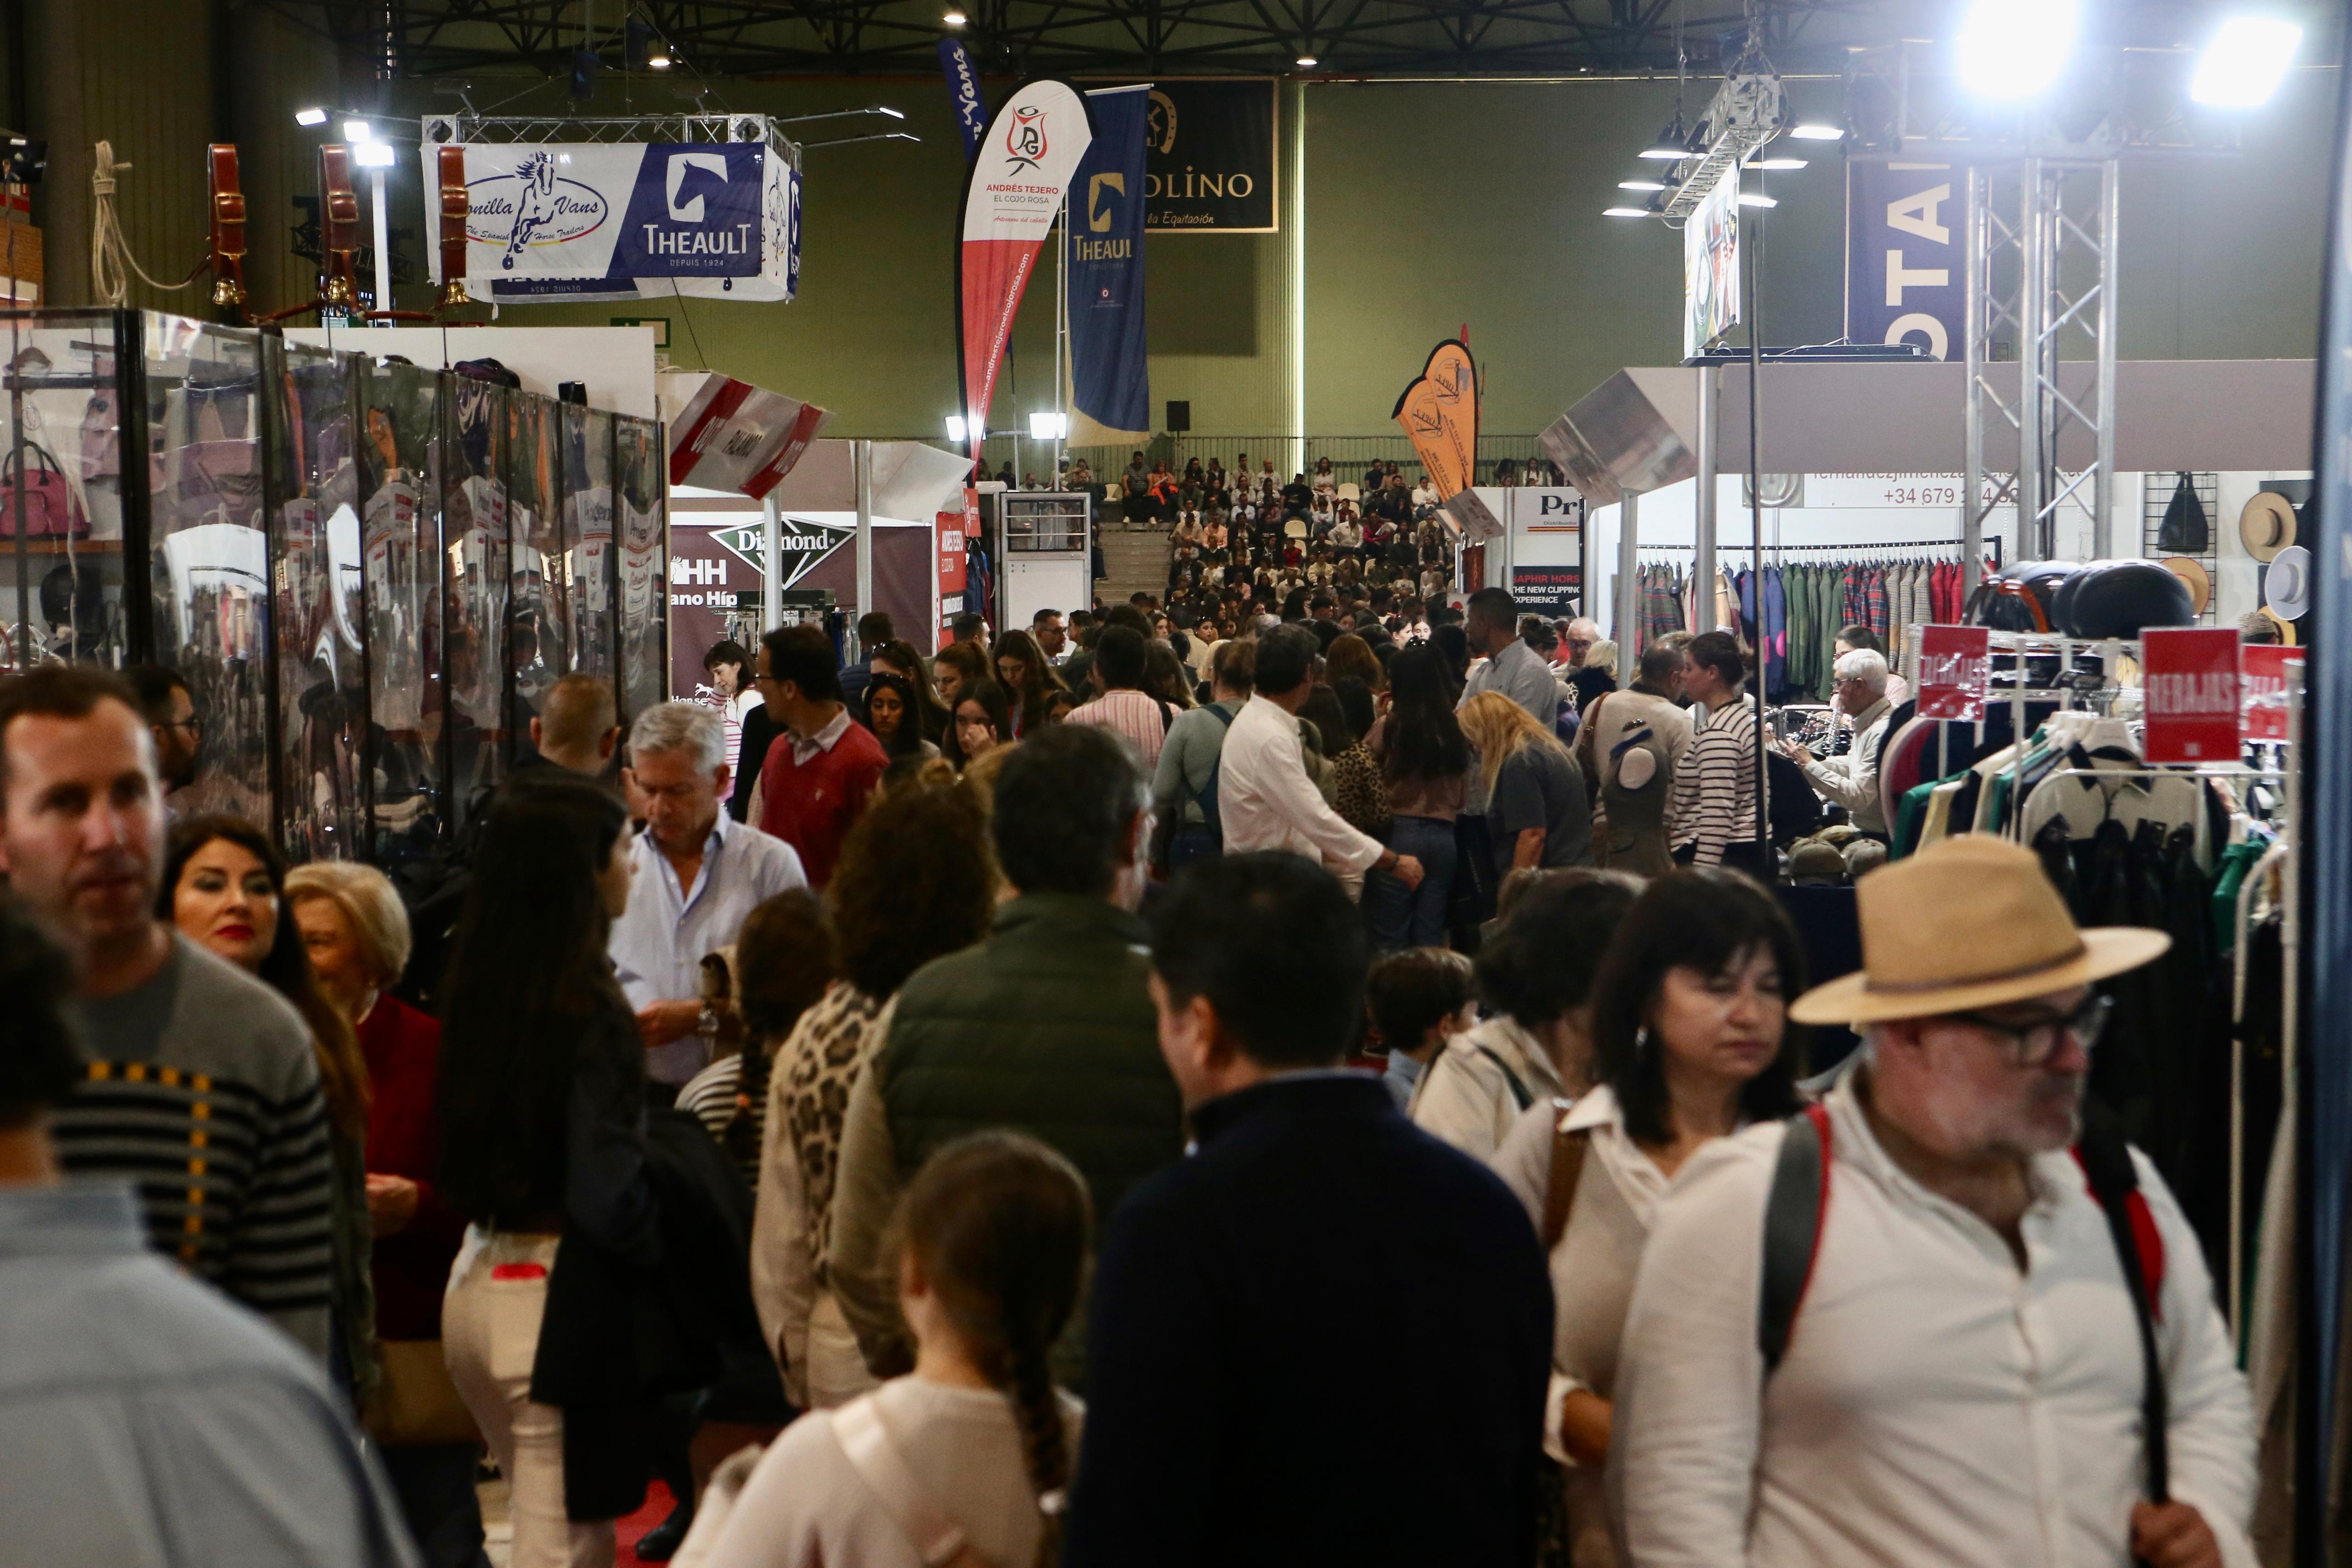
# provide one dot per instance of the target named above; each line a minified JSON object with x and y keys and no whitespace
{"x":1010,"y":195}
{"x":2192,"y":693}
{"x":1110,"y":381}
{"x":1907,"y":257}
{"x":2262,"y":683}
{"x":1955,"y":670}
{"x":963,"y":92}
{"x":726,"y":435}
{"x":711,"y":219}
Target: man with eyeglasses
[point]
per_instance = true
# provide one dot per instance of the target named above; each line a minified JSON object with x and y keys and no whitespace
{"x":170,"y":711}
{"x":1906,"y":1326}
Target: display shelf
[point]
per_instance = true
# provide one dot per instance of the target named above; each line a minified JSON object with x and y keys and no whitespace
{"x":8,"y":543}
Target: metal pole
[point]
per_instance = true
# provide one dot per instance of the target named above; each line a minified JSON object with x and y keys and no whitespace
{"x":383,"y":244}
{"x":2032,"y":400}
{"x":1978,"y":218}
{"x":1627,"y":617}
{"x":1061,"y":346}
{"x":2103,"y":477}
{"x":1749,"y":266}
{"x":1702,"y":536}
{"x":772,"y":548}
{"x":864,"y":461}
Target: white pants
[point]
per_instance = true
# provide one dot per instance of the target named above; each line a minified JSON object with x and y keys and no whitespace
{"x":489,"y":1330}
{"x":836,"y":1367}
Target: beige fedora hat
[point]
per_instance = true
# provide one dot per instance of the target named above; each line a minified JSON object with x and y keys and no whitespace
{"x":1969,"y":923}
{"x":2266,"y":524}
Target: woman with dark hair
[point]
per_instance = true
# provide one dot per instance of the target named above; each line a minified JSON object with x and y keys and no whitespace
{"x":956,"y":666}
{"x":1344,"y":712}
{"x":542,"y":1106}
{"x":982,"y":723}
{"x":1028,"y":679}
{"x":915,"y":882}
{"x":225,"y":887}
{"x":1536,"y":977}
{"x":995,"y":1226}
{"x":1452,"y":646}
{"x":1166,"y":680}
{"x":899,"y":657}
{"x":1353,"y":656}
{"x":784,"y":960}
{"x":1690,"y":1021}
{"x":891,"y":714}
{"x":1424,"y":763}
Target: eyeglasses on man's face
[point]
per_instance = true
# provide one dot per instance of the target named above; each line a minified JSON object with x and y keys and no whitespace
{"x":2033,"y":1039}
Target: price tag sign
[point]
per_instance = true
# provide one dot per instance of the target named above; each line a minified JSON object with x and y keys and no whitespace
{"x":2192,"y":694}
{"x":2262,"y":684}
{"x":1955,"y":670}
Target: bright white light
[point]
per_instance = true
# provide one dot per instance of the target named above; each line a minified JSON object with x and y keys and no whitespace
{"x":1757,"y":199}
{"x":1307,"y":62}
{"x":1640,"y":186}
{"x":1666,"y":152}
{"x":309,"y":117}
{"x":358,"y":130}
{"x":2016,"y":48}
{"x":1817,"y":132}
{"x":373,"y":155}
{"x":657,"y":62}
{"x":1048,"y":426}
{"x":953,"y":19}
{"x":955,"y":428}
{"x":893,"y":113}
{"x":1779,"y":163}
{"x":2242,"y":68}
{"x":1625,"y":211}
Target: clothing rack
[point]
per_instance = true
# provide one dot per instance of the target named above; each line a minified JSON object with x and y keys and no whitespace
{"x":1919,"y":547}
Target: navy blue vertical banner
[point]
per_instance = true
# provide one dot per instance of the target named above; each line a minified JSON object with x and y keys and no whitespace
{"x":1906,"y":256}
{"x":1110,"y":377}
{"x":963,"y":89}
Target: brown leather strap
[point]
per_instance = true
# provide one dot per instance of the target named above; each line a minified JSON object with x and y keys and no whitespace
{"x":228,"y":230}
{"x":457,"y":206}
{"x":1568,"y":1151}
{"x":339,"y":225}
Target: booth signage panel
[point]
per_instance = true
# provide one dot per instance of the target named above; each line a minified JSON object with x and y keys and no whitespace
{"x":1548,"y":590}
{"x":1209,"y":156}
{"x":1546,"y":510}
{"x":2262,"y":684}
{"x":1711,"y":267}
{"x":1955,"y":671}
{"x":1906,"y":263}
{"x":2192,"y":693}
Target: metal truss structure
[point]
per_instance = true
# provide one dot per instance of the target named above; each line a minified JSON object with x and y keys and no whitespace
{"x":714,"y":39}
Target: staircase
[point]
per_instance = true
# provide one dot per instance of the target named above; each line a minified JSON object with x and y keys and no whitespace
{"x":1136,"y":561}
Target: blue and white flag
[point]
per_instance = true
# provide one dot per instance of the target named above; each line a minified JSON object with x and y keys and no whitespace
{"x":1110,"y":373}
{"x":714,"y":219}
{"x":963,"y":89}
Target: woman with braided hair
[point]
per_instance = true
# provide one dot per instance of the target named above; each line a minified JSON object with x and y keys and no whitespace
{"x":965,"y":1460}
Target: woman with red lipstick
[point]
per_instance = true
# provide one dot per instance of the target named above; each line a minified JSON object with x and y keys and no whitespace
{"x":1692,"y":1041}
{"x":225,"y":887}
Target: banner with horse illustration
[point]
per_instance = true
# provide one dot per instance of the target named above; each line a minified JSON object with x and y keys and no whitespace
{"x":708,"y":219}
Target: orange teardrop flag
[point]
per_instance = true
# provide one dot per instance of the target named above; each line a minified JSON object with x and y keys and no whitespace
{"x":1440,"y":412}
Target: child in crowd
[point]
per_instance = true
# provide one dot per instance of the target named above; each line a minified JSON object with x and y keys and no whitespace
{"x":1415,"y":1000}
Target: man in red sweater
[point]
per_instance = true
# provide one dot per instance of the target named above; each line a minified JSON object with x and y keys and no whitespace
{"x":822,"y":770}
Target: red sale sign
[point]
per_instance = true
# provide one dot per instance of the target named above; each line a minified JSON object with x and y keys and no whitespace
{"x":1955,"y":669}
{"x":951,"y":529}
{"x":2192,"y":694}
{"x":2262,"y":683}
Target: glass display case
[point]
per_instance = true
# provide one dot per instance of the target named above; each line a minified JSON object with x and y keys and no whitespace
{"x":367,"y":574}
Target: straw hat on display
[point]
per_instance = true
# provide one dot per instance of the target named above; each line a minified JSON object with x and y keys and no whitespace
{"x":2267,"y":525}
{"x":1966,"y":923}
{"x":2191,"y":572}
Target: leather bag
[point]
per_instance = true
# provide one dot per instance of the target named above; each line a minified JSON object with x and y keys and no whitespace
{"x":30,"y":478}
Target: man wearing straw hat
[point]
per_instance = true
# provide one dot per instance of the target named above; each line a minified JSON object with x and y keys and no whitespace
{"x":1907,"y":1326}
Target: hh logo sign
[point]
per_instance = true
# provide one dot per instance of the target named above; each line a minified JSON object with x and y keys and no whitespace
{"x":534,"y":205}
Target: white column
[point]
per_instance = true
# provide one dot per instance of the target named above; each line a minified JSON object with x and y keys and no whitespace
{"x":1627,"y":617}
{"x":1702,"y":537}
{"x":863,"y":463}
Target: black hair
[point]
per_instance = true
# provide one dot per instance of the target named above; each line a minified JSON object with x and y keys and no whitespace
{"x":874,"y":629}
{"x":1322,"y":710}
{"x":1278,"y":947}
{"x":1703,"y":918}
{"x":1066,"y":801}
{"x":1542,"y":960}
{"x":1120,"y":658}
{"x":1424,"y":740}
{"x":804,"y":656}
{"x":1129,"y":616}
{"x":1355,"y":705}
{"x":989,"y":696}
{"x":725,"y":652}
{"x":39,"y":1062}
{"x":1495,"y":606}
{"x":1860,"y":636}
{"x":914,"y":883}
{"x":1412,"y":992}
{"x":1719,"y":652}
{"x":969,"y":627}
{"x":1286,"y":656}
{"x":152,"y":685}
{"x":908,"y":741}
{"x":786,"y":957}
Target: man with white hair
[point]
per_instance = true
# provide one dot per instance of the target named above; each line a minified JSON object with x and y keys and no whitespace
{"x":1576,"y":641}
{"x":1851,"y":781}
{"x":694,"y":874}
{"x":1947,"y":1316}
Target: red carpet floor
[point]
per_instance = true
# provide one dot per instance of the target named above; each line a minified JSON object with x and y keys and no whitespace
{"x":632,"y":1529}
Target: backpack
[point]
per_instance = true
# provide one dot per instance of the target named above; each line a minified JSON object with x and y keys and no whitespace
{"x":1799,"y":1195}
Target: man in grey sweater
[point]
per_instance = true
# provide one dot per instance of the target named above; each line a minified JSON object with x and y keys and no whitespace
{"x":198,"y":1081}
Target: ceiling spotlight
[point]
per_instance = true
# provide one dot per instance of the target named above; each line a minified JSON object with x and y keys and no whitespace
{"x":953,"y":19}
{"x":1048,"y":426}
{"x":373,"y":155}
{"x":1778,"y":164}
{"x":2016,"y":49}
{"x":309,"y":117}
{"x":1307,"y":62}
{"x":2242,"y":68}
{"x":884,"y":109}
{"x":1817,"y":132}
{"x":1673,"y":144}
{"x":1757,"y":199}
{"x":358,"y":130}
{"x":658,"y":60}
{"x":1625,"y":211}
{"x":1640,"y":185}
{"x":955,"y":428}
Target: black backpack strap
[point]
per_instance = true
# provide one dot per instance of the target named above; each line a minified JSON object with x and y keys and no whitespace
{"x":1794,"y":1208}
{"x":1518,"y":1090}
{"x":2107,"y":1161}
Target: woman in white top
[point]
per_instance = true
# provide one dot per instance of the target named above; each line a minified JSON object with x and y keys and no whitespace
{"x":976,"y":1443}
{"x":733,"y":696}
{"x":1692,"y":1041}
{"x":1534,"y":977}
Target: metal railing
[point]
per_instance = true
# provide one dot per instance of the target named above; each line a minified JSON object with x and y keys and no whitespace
{"x":1350,"y":455}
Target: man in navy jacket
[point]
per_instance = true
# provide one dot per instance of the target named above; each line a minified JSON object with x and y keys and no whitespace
{"x":1325,"y":1337}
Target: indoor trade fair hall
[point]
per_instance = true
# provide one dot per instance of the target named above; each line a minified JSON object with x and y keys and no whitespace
{"x":1242,"y":785}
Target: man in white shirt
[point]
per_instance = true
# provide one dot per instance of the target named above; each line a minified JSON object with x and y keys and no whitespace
{"x":1264,"y":798}
{"x":1851,"y":781}
{"x":695,"y":873}
{"x":1957,"y":1377}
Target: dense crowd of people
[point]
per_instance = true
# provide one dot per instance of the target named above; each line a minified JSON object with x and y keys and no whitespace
{"x":1019,"y":1106}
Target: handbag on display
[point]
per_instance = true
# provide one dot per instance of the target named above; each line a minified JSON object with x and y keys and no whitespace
{"x":49,"y":508}
{"x":416,"y":1405}
{"x":2184,"y":530}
